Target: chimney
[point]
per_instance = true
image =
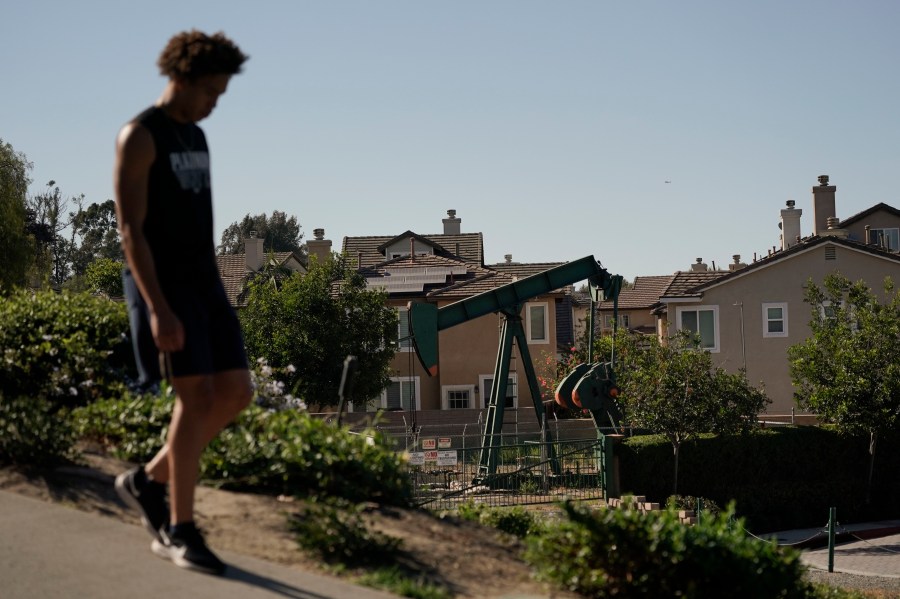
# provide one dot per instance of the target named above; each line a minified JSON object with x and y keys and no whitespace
{"x":790,"y":225}
{"x":253,"y":252}
{"x":451,"y":223}
{"x":508,"y":258}
{"x":737,"y":264}
{"x":823,"y":205}
{"x":699,"y":266}
{"x":319,"y":246}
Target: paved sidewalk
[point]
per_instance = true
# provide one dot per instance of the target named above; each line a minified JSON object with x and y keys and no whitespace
{"x":51,"y":551}
{"x":868,"y":549}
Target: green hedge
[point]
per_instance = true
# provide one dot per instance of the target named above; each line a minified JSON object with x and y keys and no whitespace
{"x":67,"y":347}
{"x":779,"y":478}
{"x":33,"y":433}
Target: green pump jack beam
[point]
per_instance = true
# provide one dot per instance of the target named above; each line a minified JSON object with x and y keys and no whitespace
{"x":427,"y":320}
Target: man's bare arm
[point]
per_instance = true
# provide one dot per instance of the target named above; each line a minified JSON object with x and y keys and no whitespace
{"x":135,"y":153}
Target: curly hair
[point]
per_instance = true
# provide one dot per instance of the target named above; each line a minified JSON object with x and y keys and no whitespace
{"x":193,"y":54}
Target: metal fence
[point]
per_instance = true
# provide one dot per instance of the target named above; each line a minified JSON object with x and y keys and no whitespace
{"x":525,"y":474}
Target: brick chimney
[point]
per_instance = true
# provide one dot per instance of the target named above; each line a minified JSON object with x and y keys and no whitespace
{"x":253,"y":252}
{"x":790,"y":225}
{"x":823,"y":205}
{"x":737,"y":264}
{"x":699,"y":266}
{"x":319,"y":246}
{"x":451,"y":223}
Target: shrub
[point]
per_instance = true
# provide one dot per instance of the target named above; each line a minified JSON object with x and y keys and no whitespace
{"x":334,"y":531}
{"x":516,"y":520}
{"x":32,"y":434}
{"x":288,"y":451}
{"x":68,"y":347}
{"x":132,"y":427}
{"x":626,"y":553}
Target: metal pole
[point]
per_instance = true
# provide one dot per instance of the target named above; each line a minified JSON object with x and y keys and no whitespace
{"x":832,"y":517}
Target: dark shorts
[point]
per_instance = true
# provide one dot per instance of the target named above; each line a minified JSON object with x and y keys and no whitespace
{"x":213,"y":341}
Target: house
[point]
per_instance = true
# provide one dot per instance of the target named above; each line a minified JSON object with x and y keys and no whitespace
{"x":237,"y":269}
{"x":749,"y":315}
{"x":443,"y":268}
{"x":634,"y":307}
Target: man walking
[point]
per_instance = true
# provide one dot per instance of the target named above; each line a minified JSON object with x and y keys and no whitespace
{"x":182,"y":325}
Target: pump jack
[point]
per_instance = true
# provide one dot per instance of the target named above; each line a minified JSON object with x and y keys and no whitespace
{"x":426,"y":320}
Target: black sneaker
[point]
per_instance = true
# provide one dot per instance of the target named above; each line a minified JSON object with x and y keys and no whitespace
{"x":147,"y":497}
{"x":187,"y":549}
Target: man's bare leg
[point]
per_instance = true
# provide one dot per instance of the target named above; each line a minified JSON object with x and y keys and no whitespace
{"x":205,"y":405}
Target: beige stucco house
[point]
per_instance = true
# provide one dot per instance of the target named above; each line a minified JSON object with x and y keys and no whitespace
{"x":443,"y":268}
{"x":748,"y":316}
{"x":237,"y":269}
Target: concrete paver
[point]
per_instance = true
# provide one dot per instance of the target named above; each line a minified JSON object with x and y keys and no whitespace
{"x":51,"y":551}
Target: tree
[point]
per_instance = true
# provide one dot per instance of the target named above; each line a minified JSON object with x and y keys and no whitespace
{"x":674,"y":390}
{"x":278,"y":232}
{"x":15,"y":242}
{"x":105,"y":276}
{"x":95,"y":235}
{"x":312,"y":322}
{"x":847,"y":371}
{"x":47,"y":220}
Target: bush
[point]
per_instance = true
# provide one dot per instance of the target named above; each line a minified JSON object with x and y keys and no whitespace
{"x":70,"y":347}
{"x":32,"y":433}
{"x":288,"y":451}
{"x":626,"y":553}
{"x":516,"y":520}
{"x":779,"y":478}
{"x":334,"y":531}
{"x":132,"y":427}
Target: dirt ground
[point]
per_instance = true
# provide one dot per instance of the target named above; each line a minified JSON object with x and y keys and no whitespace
{"x":467,"y":559}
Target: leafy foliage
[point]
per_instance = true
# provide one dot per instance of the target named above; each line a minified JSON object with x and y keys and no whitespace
{"x":626,"y":553}
{"x":847,"y":371}
{"x":290,"y":452}
{"x":673,"y":389}
{"x":279,"y":233}
{"x":70,"y":347}
{"x":104,"y":275}
{"x":15,"y":242}
{"x":334,"y":531}
{"x":32,"y":432}
{"x":95,"y":235}
{"x":131,"y":427}
{"x":313,"y":322}
{"x":515,"y":520}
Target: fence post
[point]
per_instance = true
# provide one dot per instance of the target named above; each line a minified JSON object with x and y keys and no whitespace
{"x":832,"y":516}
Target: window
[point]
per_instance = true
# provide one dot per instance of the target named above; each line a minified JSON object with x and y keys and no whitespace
{"x":459,"y":397}
{"x":487,"y":385}
{"x":608,"y":321}
{"x":775,"y":319}
{"x":404,"y":341}
{"x":401,"y":394}
{"x":536,"y":323}
{"x":886,"y":238}
{"x":702,"y":321}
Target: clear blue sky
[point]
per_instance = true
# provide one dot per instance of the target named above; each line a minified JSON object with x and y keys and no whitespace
{"x":552,"y":127}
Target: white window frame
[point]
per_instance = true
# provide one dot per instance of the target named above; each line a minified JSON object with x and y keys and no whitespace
{"x":679,"y":311}
{"x":484,"y":396}
{"x":403,"y":380}
{"x":407,"y":345}
{"x":445,"y":396}
{"x":766,"y":320}
{"x":529,"y":334}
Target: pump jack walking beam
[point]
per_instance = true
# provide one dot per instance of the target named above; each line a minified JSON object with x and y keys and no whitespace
{"x":427,"y":320}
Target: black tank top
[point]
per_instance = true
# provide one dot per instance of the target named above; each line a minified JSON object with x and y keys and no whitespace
{"x":179,"y":221}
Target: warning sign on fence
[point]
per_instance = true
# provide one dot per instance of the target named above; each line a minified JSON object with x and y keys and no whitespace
{"x":446,"y":458}
{"x":429,"y":444}
{"x":431,"y":456}
{"x":444,"y":443}
{"x":416,"y":458}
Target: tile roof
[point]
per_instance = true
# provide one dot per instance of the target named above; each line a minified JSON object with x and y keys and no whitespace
{"x":520,"y":270}
{"x":644,"y":293}
{"x":471,"y":246}
{"x":234,"y":272}
{"x":685,"y":283}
